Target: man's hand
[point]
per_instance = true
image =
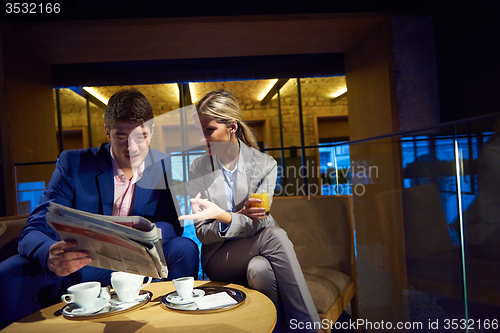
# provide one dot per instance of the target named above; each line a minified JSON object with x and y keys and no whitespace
{"x":64,"y":259}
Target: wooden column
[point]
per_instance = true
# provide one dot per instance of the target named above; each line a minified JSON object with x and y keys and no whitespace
{"x":28,"y":118}
{"x":376,"y":169}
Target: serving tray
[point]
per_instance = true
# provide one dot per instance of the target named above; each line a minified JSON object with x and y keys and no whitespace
{"x":238,"y":295}
{"x":114,"y":307}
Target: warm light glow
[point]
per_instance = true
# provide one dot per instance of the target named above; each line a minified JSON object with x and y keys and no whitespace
{"x":290,"y":87}
{"x":194,"y":93}
{"x":265,"y":89}
{"x":339,"y":92}
{"x":94,"y":92}
{"x":174,"y":92}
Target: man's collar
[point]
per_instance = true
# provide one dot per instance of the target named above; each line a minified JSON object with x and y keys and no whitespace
{"x":117,"y":171}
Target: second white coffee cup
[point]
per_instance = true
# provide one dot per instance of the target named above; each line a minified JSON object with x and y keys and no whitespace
{"x":184,"y":286}
{"x":127,"y":285}
{"x":84,"y":295}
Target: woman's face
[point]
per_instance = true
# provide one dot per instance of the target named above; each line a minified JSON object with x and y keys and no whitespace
{"x":217,"y":136}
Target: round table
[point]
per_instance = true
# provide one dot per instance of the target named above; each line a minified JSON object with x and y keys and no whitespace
{"x":256,"y":314}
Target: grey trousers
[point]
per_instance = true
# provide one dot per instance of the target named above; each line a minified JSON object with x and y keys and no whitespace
{"x":267,"y":262}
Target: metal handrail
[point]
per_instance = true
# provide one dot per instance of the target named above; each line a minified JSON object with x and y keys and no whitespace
{"x":400,"y":133}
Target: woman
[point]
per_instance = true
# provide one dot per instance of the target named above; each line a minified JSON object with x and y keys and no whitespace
{"x":241,"y":244}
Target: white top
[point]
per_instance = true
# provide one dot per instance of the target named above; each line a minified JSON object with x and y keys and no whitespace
{"x":124,"y":189}
{"x":230,"y":178}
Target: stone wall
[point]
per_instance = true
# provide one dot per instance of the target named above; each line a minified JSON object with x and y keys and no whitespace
{"x":74,"y":116}
{"x":312,"y":107}
{"x":164,"y":98}
{"x":74,"y":110}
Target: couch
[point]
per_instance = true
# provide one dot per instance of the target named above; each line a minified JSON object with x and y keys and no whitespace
{"x":10,"y":228}
{"x":321,"y":229}
{"x":322,"y":232}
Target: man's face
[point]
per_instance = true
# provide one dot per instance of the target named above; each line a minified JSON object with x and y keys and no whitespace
{"x":129,"y":143}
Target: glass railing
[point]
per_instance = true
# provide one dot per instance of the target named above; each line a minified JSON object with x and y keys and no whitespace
{"x":427,"y":221}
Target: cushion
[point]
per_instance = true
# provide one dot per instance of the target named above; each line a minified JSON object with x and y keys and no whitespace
{"x":319,"y":228}
{"x":325,"y":286}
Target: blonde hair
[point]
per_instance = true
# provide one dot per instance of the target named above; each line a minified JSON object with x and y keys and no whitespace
{"x":222,"y":106}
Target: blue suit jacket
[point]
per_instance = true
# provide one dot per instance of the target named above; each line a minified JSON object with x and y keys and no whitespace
{"x":84,"y":180}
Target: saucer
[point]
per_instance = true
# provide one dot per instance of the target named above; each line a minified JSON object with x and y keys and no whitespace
{"x":174,"y":298}
{"x":115,"y":301}
{"x":73,"y":310}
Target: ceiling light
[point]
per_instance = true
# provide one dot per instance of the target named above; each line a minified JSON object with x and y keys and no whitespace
{"x":339,"y":92}
{"x":194,"y":93}
{"x":271,"y":93}
{"x":94,"y":92}
{"x":265,"y":89}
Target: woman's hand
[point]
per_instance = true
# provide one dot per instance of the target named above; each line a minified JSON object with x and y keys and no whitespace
{"x":204,"y":209}
{"x":253,"y":212}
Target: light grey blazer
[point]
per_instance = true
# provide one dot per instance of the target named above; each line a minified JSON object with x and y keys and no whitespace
{"x":255,"y":170}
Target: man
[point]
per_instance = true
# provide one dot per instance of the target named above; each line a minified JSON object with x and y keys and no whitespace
{"x":123,"y":177}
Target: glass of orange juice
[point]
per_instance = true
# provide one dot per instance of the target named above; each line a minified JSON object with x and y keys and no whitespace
{"x":264,"y":197}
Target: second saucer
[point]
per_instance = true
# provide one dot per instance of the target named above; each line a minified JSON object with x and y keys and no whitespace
{"x":174,"y":298}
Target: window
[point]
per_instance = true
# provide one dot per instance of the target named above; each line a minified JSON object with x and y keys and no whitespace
{"x":29,"y":195}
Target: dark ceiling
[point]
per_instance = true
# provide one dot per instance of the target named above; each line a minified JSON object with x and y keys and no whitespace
{"x":466,"y":35}
{"x":198,"y":70}
{"x":95,"y":10}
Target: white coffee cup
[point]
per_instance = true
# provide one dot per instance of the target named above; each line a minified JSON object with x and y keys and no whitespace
{"x":84,"y":295}
{"x":127,"y":285}
{"x":184,"y":286}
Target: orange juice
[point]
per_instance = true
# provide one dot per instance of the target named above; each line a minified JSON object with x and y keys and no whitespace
{"x":265,"y":200}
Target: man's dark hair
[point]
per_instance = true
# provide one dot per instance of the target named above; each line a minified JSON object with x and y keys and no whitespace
{"x":128,"y":105}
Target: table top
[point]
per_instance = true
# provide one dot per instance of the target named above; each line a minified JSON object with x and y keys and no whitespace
{"x":256,"y":314}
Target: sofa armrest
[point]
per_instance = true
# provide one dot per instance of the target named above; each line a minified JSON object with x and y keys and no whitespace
{"x":10,"y":228}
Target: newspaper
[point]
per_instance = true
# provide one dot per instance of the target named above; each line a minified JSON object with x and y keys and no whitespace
{"x":120,"y":243}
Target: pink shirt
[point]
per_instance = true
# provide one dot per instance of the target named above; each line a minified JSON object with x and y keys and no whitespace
{"x":124,"y":189}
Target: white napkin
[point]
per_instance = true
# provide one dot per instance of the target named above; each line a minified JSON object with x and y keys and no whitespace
{"x":215,"y":301}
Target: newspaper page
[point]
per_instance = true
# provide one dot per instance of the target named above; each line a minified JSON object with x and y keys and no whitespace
{"x":120,"y":243}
